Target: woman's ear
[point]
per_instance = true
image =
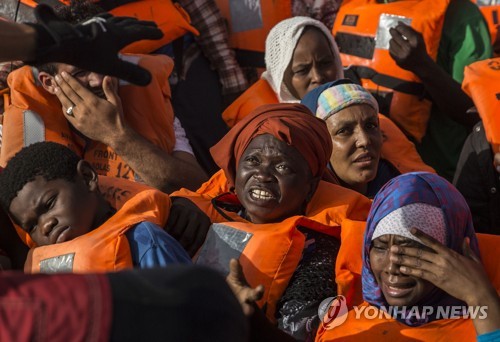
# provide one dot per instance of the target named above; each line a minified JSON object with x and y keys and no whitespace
{"x":88,"y":174}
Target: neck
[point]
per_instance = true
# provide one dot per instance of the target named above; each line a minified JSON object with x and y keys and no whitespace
{"x":362,"y":188}
{"x":104,"y":212}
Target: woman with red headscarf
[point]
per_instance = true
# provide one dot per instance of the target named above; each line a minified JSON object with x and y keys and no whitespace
{"x":271,"y":210}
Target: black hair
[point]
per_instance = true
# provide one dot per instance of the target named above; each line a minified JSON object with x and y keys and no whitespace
{"x":47,"y":159}
{"x":78,"y":11}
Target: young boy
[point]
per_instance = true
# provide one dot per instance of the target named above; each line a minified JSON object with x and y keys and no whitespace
{"x":53,"y":195}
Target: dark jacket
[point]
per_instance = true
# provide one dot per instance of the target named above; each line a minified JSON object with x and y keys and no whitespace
{"x":478,"y":181}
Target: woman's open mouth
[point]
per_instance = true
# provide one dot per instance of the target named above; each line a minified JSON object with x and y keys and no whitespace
{"x":398,"y":290}
{"x":261,"y":195}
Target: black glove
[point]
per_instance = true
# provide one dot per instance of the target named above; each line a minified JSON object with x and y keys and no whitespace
{"x":92,"y":45}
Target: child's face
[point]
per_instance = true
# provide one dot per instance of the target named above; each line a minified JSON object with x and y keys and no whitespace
{"x":54,"y":211}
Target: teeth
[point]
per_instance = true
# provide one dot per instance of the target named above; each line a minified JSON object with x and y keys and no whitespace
{"x":365,"y":159}
{"x":261,"y":194}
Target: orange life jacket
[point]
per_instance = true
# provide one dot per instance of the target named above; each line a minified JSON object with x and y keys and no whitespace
{"x":272,"y":251}
{"x":481,"y":83}
{"x":249,"y":24}
{"x":106,"y":248}
{"x":381,"y":328}
{"x":397,"y":149}
{"x":170,"y":17}
{"x":491,"y":15}
{"x":35,"y":115}
{"x":361,"y":32}
{"x":117,"y":191}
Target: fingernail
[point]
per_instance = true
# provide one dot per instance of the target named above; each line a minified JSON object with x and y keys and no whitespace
{"x":56,"y":89}
{"x":58,"y":78}
{"x":403,"y":269}
{"x":64,"y":74}
{"x":413,"y":231}
{"x":394,"y":248}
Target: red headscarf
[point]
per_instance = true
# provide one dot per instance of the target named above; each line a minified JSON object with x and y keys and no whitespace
{"x":293,"y":124}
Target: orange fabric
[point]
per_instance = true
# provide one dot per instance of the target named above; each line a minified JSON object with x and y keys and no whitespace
{"x":481,"y":84}
{"x":388,"y":329}
{"x":397,"y":149}
{"x":293,"y":124}
{"x":276,"y":248}
{"x":147,"y":109}
{"x":117,"y":191}
{"x":170,"y":17}
{"x":106,"y":248}
{"x":271,"y":12}
{"x":260,"y":93}
{"x":410,"y":112}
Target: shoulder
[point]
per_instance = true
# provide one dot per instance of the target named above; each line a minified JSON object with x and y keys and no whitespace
{"x":151,"y":246}
{"x":462,"y":12}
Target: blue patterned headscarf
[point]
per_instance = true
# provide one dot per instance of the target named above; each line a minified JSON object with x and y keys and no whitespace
{"x":418,"y":187}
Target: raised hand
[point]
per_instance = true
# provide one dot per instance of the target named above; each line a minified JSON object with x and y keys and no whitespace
{"x":96,"y":118}
{"x":407,"y":48}
{"x":247,"y":296}
{"x":94,"y":44}
{"x":460,"y":275}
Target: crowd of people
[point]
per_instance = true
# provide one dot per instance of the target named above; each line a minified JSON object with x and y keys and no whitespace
{"x":349,"y":190}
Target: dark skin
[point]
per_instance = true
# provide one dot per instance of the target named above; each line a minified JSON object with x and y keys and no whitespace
{"x":188,"y":224}
{"x":460,"y":275}
{"x":268,"y":165}
{"x":261,"y":328}
{"x":273,"y":180}
{"x":59,"y":210}
{"x":398,"y":289}
{"x":157,"y":168}
{"x":312,"y":64}
{"x":407,"y":48}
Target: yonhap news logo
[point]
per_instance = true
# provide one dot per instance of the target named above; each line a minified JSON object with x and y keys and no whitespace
{"x":333,"y":312}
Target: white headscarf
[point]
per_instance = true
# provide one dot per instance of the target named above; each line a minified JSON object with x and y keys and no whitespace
{"x":280,"y":45}
{"x":427,"y":218}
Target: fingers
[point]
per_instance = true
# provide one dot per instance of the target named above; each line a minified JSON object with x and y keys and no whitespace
{"x":65,"y":101}
{"x":407,"y":33}
{"x":429,"y":241}
{"x":73,"y":90}
{"x":235,"y":270}
{"x":418,"y":272}
{"x":255,"y":294}
{"x":413,"y":252}
{"x":236,"y":274}
{"x":468,"y":252}
{"x":397,"y":39}
{"x":130,"y":29}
